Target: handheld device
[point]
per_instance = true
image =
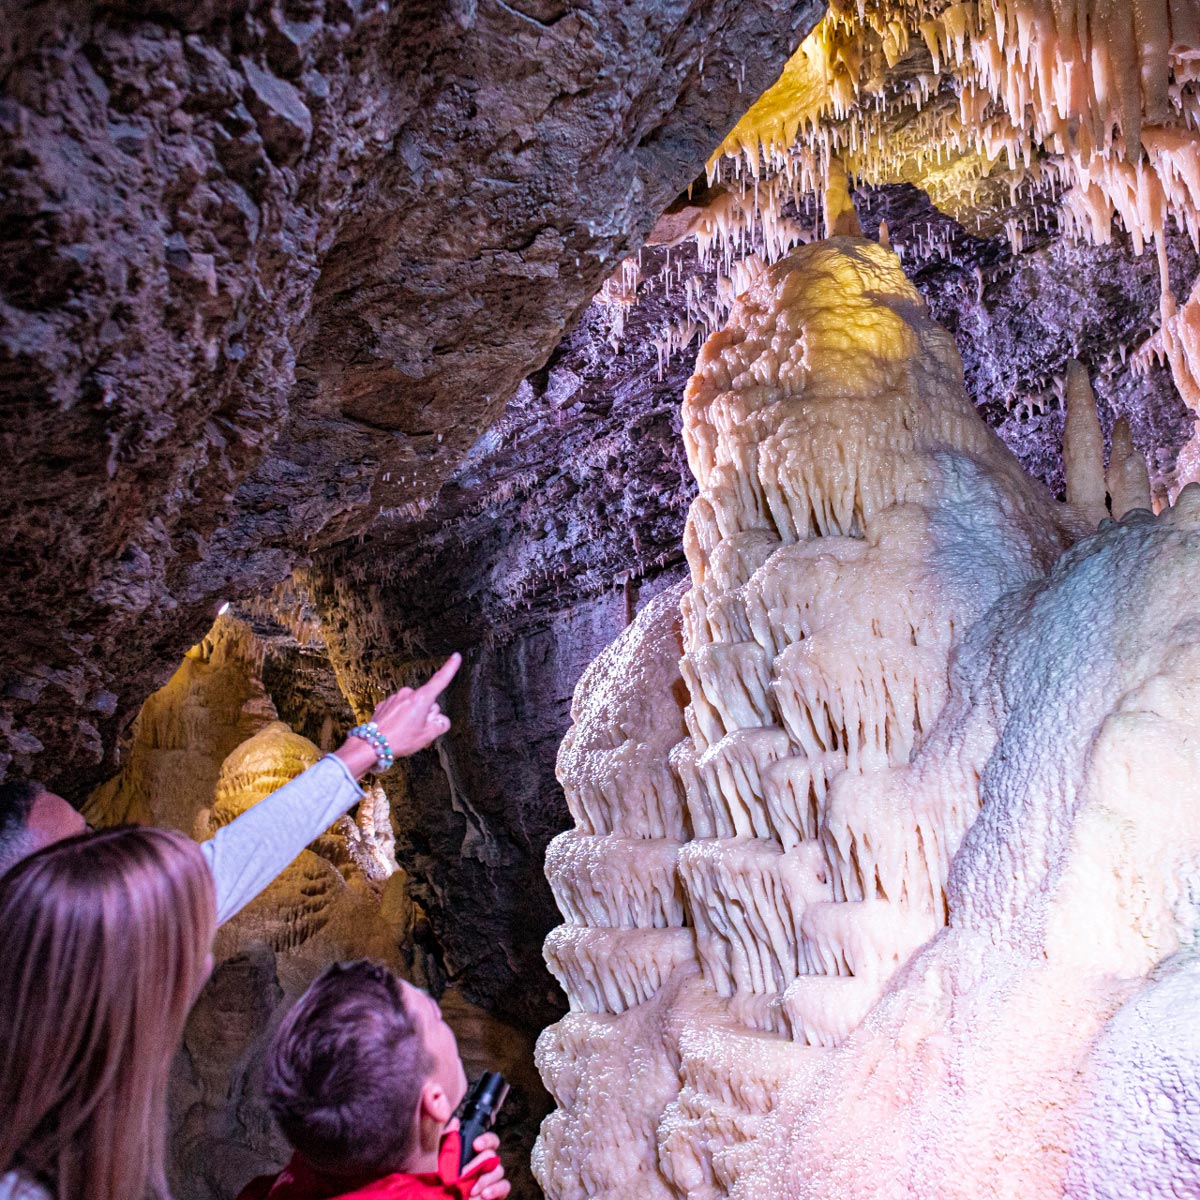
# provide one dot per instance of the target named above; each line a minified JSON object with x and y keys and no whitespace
{"x":479,"y":1111}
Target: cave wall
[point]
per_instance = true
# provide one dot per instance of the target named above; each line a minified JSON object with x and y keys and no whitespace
{"x":567,"y":517}
{"x":269,"y":269}
{"x":562,"y":522}
{"x":1017,"y":317}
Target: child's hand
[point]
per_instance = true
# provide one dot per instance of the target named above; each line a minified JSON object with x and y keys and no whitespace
{"x":492,"y":1185}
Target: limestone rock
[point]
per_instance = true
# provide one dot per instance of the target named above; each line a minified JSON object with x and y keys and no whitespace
{"x":270,"y":270}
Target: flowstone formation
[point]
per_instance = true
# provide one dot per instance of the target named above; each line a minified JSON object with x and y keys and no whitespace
{"x":785,"y":978}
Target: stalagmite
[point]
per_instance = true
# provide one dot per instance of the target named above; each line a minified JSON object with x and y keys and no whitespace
{"x":916,"y":897}
{"x":625,"y":947}
{"x":1127,"y":478}
{"x":258,"y":767}
{"x":370,"y":840}
{"x":855,"y":520}
{"x":1083,"y":447}
{"x":840,"y":218}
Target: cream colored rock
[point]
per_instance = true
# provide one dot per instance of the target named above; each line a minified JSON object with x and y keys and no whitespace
{"x":260,"y":765}
{"x":209,"y":707}
{"x":1083,"y":447}
{"x":855,"y":520}
{"x":313,"y":913}
{"x":1030,"y":1049}
{"x":625,"y":949}
{"x":1127,"y":478}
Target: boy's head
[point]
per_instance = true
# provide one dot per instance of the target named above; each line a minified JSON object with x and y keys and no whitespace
{"x":359,"y":1068}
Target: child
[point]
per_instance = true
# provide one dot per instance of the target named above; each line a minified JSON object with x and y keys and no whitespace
{"x":363,"y":1078}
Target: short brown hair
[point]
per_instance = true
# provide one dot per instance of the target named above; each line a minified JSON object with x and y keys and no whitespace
{"x":345,"y":1071}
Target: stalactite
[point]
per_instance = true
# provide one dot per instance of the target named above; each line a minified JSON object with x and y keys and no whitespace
{"x":1095,"y":100}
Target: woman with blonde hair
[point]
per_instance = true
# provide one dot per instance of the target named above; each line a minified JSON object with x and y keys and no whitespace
{"x":105,"y":942}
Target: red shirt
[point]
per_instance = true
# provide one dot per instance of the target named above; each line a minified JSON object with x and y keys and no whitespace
{"x":299,"y":1181}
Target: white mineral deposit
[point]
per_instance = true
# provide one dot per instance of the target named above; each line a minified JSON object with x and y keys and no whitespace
{"x":930,"y":826}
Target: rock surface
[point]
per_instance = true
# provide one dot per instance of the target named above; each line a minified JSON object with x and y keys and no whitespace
{"x":1018,"y":318}
{"x":563,"y":520}
{"x":269,"y":270}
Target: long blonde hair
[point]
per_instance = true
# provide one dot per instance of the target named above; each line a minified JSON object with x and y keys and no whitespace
{"x":103,"y":944}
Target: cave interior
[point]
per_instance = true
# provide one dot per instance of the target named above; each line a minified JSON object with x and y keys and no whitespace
{"x":789,"y":411}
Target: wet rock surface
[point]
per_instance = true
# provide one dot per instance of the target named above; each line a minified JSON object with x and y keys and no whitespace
{"x":268,"y":270}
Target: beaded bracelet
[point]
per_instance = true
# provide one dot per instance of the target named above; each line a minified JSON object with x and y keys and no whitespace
{"x":369,"y":732}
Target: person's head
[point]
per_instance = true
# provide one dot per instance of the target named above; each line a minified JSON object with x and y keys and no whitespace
{"x":104,"y":940}
{"x":30,"y":818}
{"x":364,"y":1072}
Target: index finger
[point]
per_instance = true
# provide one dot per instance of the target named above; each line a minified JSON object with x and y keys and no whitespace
{"x":440,"y":679}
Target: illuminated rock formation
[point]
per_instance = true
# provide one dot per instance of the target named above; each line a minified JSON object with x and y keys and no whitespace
{"x":213,"y":703}
{"x":883,"y":634}
{"x":618,"y":862}
{"x":1037,"y":1046}
{"x":1018,"y":118}
{"x":322,"y":892}
{"x":1099,"y":95}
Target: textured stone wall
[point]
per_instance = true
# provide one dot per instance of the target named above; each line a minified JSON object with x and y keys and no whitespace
{"x":267,"y":270}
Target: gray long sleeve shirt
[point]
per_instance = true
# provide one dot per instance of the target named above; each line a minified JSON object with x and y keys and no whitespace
{"x":251,"y":851}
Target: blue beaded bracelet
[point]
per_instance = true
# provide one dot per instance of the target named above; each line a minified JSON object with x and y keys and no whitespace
{"x":369,"y":732}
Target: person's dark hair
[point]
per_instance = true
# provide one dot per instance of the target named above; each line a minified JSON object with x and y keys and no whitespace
{"x":16,"y":803}
{"x":344,"y":1073}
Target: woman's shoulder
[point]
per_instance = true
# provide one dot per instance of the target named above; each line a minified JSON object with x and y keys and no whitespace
{"x":20,"y":1187}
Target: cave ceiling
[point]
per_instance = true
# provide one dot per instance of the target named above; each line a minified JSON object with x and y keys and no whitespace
{"x":269,"y":270}
{"x":286,"y":289}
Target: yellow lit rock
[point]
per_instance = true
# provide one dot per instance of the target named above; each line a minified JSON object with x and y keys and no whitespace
{"x":259,"y":766}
